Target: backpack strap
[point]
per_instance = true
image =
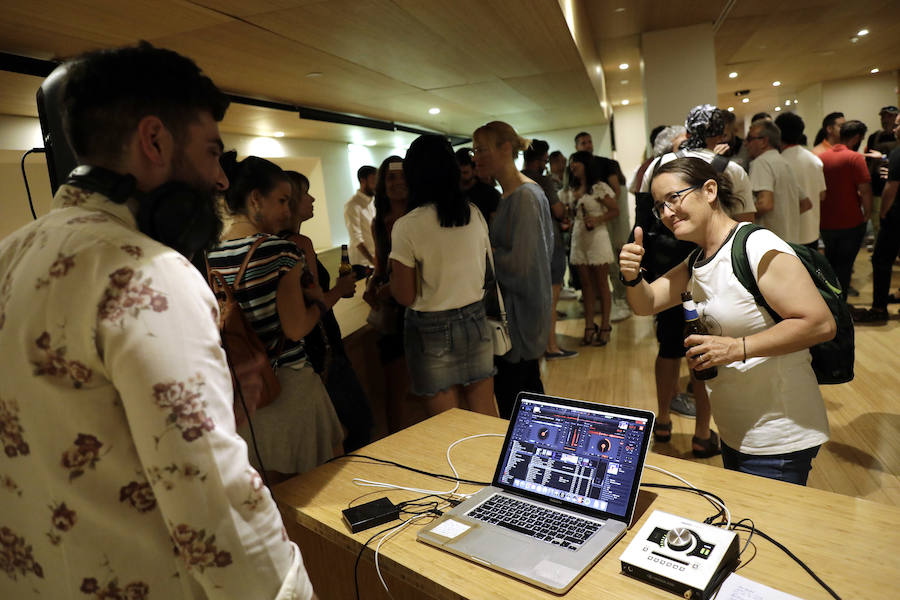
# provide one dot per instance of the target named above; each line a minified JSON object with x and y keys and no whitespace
{"x":720,"y":163}
{"x":692,"y":259}
{"x":740,"y":263}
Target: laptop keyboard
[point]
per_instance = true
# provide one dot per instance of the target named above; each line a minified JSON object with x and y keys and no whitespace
{"x":559,"y":529}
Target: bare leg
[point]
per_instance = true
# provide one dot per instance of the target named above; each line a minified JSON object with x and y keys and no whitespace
{"x":479,"y":397}
{"x":442,"y":401}
{"x":589,"y":296}
{"x":600,"y":278}
{"x":552,"y":346}
{"x":666,"y":385}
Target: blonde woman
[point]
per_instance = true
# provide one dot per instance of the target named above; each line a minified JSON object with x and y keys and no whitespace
{"x":522,"y":239}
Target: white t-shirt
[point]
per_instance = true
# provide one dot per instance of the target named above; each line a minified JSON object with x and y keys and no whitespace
{"x":809,"y":175}
{"x":766,"y":405}
{"x":449,"y":261}
{"x":740,"y":182}
{"x":770,"y":172}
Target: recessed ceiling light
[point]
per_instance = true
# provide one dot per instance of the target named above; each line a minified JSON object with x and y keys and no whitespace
{"x":795,"y":101}
{"x":278,"y":134}
{"x":626,"y":102}
{"x":854,"y":39}
{"x":745,"y":100}
{"x":776,"y":83}
{"x":314,"y":74}
{"x":621,"y":9}
{"x":369,"y":143}
{"x":730,"y":109}
{"x":598,"y":69}
{"x":624,"y":81}
{"x":875,"y":70}
{"x":623,"y":67}
{"x":787,"y":102}
{"x":862,"y":32}
{"x":732,"y":75}
{"x":434,"y":111}
{"x":777,"y":109}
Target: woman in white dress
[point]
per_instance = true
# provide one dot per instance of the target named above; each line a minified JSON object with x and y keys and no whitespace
{"x":593,"y":204}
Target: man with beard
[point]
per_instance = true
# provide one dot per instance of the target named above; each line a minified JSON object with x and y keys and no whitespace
{"x":358,"y":215}
{"x":481,"y":194}
{"x":848,"y":201}
{"x":115,"y":397}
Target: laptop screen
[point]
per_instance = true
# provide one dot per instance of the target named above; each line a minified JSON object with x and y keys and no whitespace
{"x":576,"y":454}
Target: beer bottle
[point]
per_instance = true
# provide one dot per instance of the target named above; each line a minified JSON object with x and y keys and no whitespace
{"x":693,"y":325}
{"x":345,"y":268}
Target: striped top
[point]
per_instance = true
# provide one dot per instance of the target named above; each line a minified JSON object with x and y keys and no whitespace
{"x":256,"y":291}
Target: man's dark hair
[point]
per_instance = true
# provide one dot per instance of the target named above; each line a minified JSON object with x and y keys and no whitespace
{"x":432,"y":176}
{"x":760,"y":115}
{"x":728,"y":117}
{"x":581,"y":134}
{"x":108,"y":92}
{"x":791,"y":126}
{"x":655,"y":133}
{"x":852,"y":128}
{"x":464,"y":157}
{"x":830,"y":118}
{"x":537,"y":149}
{"x":364,"y":172}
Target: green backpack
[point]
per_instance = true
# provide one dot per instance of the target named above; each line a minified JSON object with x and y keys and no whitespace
{"x":833,"y":360}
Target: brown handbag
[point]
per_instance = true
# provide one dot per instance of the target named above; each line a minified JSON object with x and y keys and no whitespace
{"x":252,"y":375}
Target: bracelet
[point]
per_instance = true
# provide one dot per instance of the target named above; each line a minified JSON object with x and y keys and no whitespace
{"x":634,"y":281}
{"x":744,"y":340}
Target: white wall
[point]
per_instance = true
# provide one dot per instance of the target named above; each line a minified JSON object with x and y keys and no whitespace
{"x":858,"y":98}
{"x":631,"y":141}
{"x":564,"y":139}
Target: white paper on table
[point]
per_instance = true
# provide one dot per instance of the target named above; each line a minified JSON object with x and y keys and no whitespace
{"x":736,"y":587}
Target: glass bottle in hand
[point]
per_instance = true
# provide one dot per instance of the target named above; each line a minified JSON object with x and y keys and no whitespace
{"x":693,"y":325}
{"x":345,"y":268}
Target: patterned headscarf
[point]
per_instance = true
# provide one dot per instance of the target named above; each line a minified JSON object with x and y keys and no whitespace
{"x":702,"y":122}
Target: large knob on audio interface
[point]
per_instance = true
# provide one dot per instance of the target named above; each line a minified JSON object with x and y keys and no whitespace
{"x":678,"y":538}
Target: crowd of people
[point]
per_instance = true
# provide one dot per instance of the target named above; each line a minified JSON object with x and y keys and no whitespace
{"x":119,"y":409}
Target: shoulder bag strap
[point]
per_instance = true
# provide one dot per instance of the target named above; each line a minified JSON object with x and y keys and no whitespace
{"x":490,"y":254}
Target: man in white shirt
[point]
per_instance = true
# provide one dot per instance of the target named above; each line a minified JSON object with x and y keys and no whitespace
{"x":359,"y":212}
{"x":807,"y":170}
{"x":123,"y":475}
{"x":779,"y":200}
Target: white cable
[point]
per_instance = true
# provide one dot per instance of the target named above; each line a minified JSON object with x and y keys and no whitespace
{"x":714,"y":501}
{"x":379,"y":484}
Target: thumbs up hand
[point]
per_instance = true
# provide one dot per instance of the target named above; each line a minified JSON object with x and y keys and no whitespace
{"x":631,"y":255}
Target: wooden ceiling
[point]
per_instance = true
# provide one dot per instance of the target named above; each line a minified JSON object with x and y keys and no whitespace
{"x":476,"y":60}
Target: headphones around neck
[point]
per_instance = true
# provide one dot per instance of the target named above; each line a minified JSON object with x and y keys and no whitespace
{"x":175,"y":214}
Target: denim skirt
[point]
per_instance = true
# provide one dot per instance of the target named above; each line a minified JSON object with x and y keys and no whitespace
{"x":446,"y":348}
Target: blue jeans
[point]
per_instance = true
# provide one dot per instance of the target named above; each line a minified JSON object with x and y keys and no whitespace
{"x":447,"y":348}
{"x":793,"y":467}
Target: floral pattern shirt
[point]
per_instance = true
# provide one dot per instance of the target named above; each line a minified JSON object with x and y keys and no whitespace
{"x":121,"y":475}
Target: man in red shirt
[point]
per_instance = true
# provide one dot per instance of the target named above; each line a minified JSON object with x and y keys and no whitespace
{"x":848,"y":201}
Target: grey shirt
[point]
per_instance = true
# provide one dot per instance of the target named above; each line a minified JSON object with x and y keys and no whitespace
{"x":522,"y":238}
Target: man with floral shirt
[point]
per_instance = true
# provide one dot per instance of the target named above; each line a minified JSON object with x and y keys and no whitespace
{"x":121,"y":474}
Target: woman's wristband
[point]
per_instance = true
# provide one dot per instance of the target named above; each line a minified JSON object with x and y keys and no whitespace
{"x":634,"y":281}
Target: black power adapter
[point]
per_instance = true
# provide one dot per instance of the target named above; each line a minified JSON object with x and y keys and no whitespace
{"x":371,"y":514}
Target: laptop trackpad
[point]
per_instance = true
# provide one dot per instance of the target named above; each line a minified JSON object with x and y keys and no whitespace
{"x":507,"y":552}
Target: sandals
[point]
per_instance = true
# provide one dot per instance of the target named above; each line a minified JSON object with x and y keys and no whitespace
{"x":662,"y":432}
{"x":710,"y":445}
{"x":602,"y":336}
{"x":590,"y":335}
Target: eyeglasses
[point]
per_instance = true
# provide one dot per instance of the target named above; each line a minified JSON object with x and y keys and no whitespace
{"x":750,"y":138}
{"x":671,"y":199}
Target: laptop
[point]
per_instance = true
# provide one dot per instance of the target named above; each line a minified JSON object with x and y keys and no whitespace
{"x":562,"y":495}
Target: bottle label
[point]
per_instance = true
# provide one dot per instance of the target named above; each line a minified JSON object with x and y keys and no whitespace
{"x":690,"y":314}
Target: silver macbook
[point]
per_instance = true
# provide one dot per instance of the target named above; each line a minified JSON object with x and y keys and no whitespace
{"x":563,"y":492}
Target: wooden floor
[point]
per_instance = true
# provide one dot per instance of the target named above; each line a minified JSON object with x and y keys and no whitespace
{"x":862,"y":458}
